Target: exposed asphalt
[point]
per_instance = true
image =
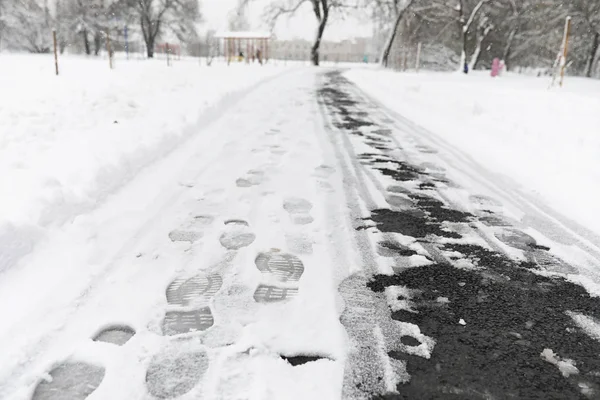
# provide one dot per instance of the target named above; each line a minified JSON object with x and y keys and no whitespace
{"x":490,"y":322}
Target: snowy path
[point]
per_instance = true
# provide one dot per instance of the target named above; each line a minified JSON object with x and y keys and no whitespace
{"x":308,"y":244}
{"x":219,"y":257}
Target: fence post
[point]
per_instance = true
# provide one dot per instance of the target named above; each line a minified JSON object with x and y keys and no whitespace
{"x":418,"y":56}
{"x":565,"y":49}
{"x":110,"y":61}
{"x":126,"y":32}
{"x":55,"y":51}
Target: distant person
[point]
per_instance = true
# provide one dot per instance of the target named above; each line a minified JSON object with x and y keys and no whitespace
{"x":259,"y":56}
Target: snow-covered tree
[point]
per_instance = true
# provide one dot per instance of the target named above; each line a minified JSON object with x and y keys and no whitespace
{"x":87,"y":19}
{"x":392,"y":12}
{"x":156,"y":17}
{"x":586,"y":19}
{"x":26,"y":24}
{"x":238,"y":18}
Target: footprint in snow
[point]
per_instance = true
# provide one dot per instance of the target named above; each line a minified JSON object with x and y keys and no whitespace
{"x":237,"y":235}
{"x":432,"y":167}
{"x":277,"y":150}
{"x":324,"y":171}
{"x":299,"y":210}
{"x":401,"y":202}
{"x":299,"y":244}
{"x":174,"y":373}
{"x":196,"y":293}
{"x":517,"y":239}
{"x":252,"y":178}
{"x":192,"y":231}
{"x":485,"y":201}
{"x":70,"y":381}
{"x":426,"y":149}
{"x":281,"y":272}
{"x":118,"y":334}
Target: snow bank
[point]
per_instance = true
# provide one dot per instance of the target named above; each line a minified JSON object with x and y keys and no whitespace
{"x":545,"y":140}
{"x":68,"y":142}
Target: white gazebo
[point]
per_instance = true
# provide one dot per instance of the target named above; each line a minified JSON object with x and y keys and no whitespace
{"x":245,"y":46}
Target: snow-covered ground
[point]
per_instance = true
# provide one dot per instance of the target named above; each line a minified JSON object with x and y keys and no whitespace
{"x":252,"y":187}
{"x":68,"y":142}
{"x":545,"y":140}
{"x":249,"y":242}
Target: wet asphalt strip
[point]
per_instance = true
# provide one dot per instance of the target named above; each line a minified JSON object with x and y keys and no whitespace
{"x":511,"y":313}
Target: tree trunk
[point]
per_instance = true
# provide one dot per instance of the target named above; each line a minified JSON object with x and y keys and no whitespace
{"x":390,"y":42}
{"x":150,"y":47}
{"x":475,"y":56}
{"x":385,"y":55}
{"x":86,"y":42}
{"x":97,"y":43}
{"x":149,"y":33}
{"x":589,"y":69}
{"x":314,"y":51}
{"x":480,"y":38}
{"x":463,"y":55}
{"x":508,"y":48}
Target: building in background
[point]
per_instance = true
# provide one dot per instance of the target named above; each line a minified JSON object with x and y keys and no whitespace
{"x":351,"y":50}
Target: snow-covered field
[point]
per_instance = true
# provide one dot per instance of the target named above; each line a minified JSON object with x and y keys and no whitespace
{"x":547,"y":141}
{"x":68,"y":142}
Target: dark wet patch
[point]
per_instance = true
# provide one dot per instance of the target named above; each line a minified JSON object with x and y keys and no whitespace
{"x":301,"y":359}
{"x":428,"y":219}
{"x":409,"y":341}
{"x":408,"y":224}
{"x":511,"y":316}
{"x":438,"y":212}
{"x":398,"y":170}
{"x":341,"y":98}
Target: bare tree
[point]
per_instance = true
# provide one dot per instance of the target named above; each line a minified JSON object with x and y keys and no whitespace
{"x":157,"y":17}
{"x":586,"y":16}
{"x":238,"y":19}
{"x":394,"y":9}
{"x":466,"y":17}
{"x":26,"y":25}
{"x":483,"y":29}
{"x":322,"y":10}
{"x":83,"y":18}
{"x":212,"y":47}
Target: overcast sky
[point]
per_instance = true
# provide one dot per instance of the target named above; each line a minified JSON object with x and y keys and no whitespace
{"x":302,"y":25}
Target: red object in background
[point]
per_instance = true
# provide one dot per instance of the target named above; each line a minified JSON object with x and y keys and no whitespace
{"x":496,"y":67}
